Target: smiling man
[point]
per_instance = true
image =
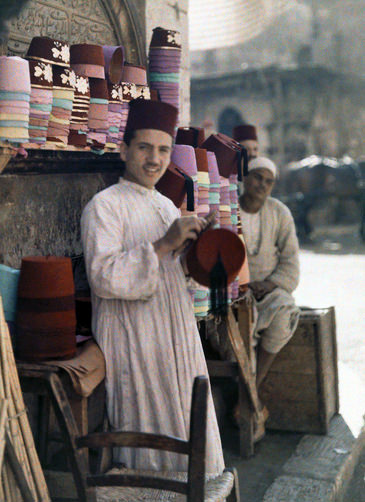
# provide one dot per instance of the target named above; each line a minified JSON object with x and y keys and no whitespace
{"x":143,"y":318}
{"x":273,"y":260}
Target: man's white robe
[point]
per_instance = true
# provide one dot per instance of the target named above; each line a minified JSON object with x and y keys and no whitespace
{"x":143,"y":322}
{"x":276,"y":259}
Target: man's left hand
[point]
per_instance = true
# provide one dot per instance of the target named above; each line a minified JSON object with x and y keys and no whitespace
{"x":261,"y":288}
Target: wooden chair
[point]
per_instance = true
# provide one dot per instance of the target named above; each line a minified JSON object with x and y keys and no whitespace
{"x":192,"y":484}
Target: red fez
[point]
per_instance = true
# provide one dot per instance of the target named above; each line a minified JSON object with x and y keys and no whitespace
{"x":148,"y":114}
{"x":46,"y":317}
{"x":214,"y":260}
{"x":175,"y":184}
{"x":193,"y":136}
{"x":243,"y":132}
{"x":211,"y":245}
{"x":229,"y":153}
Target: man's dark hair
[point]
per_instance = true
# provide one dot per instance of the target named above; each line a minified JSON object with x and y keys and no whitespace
{"x":128,"y":136}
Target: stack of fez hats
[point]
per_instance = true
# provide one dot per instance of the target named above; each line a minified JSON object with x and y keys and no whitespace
{"x":201,"y":293}
{"x":203,"y":182}
{"x":232,"y":163}
{"x":63,"y":95}
{"x":46,"y":317}
{"x":87,"y":60}
{"x":214,"y":188}
{"x":134,"y":86}
{"x":164,"y":64}
{"x":187,"y":140}
{"x":15,"y":92}
{"x":231,"y":159}
{"x":183,"y":156}
{"x":80,"y":112}
{"x":98,"y":114}
{"x":46,"y":57}
{"x":128,"y":91}
{"x":52,"y":90}
{"x":116,"y":116}
{"x":114,"y":62}
{"x":41,"y":97}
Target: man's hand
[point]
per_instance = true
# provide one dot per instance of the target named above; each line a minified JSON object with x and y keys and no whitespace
{"x":261,"y":288}
{"x":181,"y":231}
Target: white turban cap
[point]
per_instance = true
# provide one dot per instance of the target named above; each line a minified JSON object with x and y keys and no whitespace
{"x":262,"y":162}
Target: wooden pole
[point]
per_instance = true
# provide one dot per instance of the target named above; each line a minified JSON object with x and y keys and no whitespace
{"x":20,"y":444}
{"x":15,"y":433}
{"x":3,"y":419}
{"x":35,"y":466}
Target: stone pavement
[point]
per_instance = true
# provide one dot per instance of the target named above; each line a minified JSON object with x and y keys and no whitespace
{"x":289,"y":467}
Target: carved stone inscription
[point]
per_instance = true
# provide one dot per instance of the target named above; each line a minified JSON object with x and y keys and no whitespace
{"x":76,"y":21}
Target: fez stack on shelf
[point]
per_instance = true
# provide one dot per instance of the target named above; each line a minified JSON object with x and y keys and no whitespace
{"x":206,"y":172}
{"x":70,"y":97}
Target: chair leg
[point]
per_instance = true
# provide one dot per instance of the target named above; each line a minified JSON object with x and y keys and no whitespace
{"x":42,"y":428}
{"x":69,"y":431}
{"x":105,"y":455}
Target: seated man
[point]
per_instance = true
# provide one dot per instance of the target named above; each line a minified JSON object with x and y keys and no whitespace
{"x":273,"y":258}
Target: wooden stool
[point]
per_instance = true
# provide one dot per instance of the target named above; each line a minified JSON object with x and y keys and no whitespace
{"x":238,"y":327}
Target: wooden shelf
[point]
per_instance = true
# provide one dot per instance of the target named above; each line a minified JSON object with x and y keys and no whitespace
{"x":58,"y":160}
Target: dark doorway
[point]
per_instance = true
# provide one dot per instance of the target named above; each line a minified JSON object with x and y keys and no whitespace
{"x":228,"y":119}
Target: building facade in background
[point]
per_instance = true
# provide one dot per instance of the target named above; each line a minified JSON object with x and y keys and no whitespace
{"x":300,"y":79}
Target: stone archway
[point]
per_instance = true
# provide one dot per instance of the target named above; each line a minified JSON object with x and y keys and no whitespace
{"x":107,"y":22}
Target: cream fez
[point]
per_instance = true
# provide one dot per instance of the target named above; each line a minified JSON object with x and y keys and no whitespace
{"x":262,"y":162}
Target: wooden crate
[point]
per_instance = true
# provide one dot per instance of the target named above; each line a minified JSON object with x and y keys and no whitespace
{"x":301,"y":389}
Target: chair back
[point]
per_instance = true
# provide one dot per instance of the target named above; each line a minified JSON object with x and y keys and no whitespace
{"x":194,"y":448}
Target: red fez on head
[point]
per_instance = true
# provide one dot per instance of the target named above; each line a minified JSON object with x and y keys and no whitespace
{"x":148,"y":114}
{"x":243,"y":132}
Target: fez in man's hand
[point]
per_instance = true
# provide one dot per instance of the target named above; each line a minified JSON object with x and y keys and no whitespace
{"x":209,"y":221}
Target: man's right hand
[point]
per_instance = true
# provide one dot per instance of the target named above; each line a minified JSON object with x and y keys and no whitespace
{"x":181,"y":231}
